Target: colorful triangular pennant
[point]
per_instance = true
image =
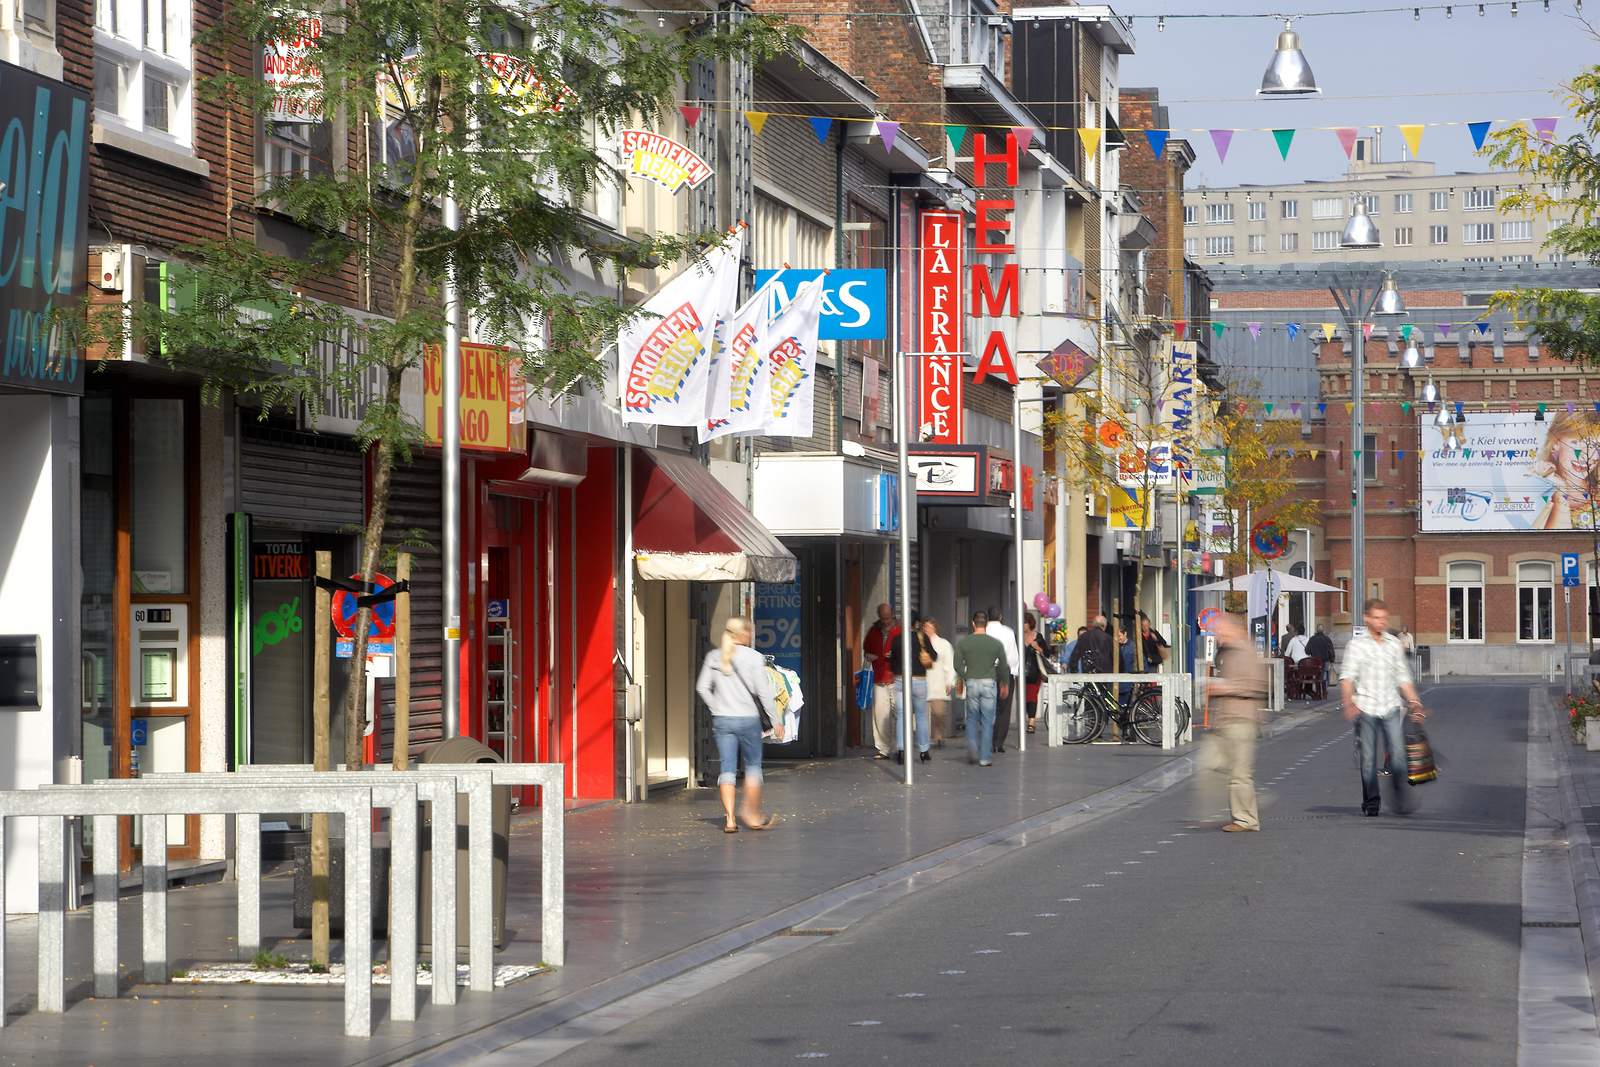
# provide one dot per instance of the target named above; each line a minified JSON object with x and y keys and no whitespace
{"x":1090,"y":136}
{"x":1024,"y":136}
{"x":1483,"y":327}
{"x":690,"y":113}
{"x":820,"y":125}
{"x":888,"y":131}
{"x":1545,"y":129}
{"x":1412,"y":132}
{"x":756,"y":119}
{"x":1284,"y":138}
{"x":956,"y":135}
{"x":1366,"y":331}
{"x":1218,"y":327}
{"x":1179,"y":326}
{"x":1293,"y":328}
{"x":1255,"y":330}
{"x":1158,"y":141}
{"x":1221,"y":139}
{"x":1328,"y":329}
{"x":1347,"y":139}
{"x":1479,"y":131}
{"x":1405,"y":332}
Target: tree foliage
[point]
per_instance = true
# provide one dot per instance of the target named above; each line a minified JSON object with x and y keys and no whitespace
{"x":1566,"y":187}
{"x":1254,"y":462}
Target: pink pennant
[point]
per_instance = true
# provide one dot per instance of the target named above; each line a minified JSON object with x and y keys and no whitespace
{"x":1545,"y":129}
{"x":1222,"y":139}
{"x":1347,"y":139}
{"x":1024,"y":136}
{"x":888,"y":131}
{"x":690,"y":113}
{"x":1366,"y":331}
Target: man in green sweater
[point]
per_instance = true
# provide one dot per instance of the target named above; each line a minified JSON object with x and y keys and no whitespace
{"x":983,"y":676}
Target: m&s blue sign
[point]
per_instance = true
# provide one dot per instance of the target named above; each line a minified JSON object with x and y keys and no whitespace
{"x":44,"y":251}
{"x":854,"y":302}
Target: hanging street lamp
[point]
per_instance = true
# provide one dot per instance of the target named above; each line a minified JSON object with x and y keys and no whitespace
{"x":1288,"y":74}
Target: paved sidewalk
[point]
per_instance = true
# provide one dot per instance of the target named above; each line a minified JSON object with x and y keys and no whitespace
{"x":644,"y":882}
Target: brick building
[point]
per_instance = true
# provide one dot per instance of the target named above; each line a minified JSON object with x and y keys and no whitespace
{"x":1464,"y":537}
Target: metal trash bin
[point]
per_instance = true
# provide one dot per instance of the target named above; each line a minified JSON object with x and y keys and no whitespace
{"x":464,"y":750}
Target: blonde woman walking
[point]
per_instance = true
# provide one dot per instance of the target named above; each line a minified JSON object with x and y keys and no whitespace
{"x":736,"y":687}
{"x":941,"y":678}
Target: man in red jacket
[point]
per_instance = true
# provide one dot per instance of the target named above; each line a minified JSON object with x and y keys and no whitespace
{"x":876,"y":647}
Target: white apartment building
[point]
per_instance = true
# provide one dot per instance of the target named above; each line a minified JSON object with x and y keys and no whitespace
{"x":1423,"y":215}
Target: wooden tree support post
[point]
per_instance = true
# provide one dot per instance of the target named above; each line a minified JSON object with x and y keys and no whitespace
{"x":320,"y":745}
{"x":402,"y":665}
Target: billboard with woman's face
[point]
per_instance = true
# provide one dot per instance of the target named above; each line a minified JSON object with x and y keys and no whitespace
{"x":1514,"y":473}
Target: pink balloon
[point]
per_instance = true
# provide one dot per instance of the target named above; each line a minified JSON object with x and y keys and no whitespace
{"x":1041,"y":601}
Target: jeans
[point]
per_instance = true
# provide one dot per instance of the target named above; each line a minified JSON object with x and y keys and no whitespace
{"x":919,"y":705}
{"x":982,"y":695}
{"x":737,"y":736}
{"x":1393,"y":731}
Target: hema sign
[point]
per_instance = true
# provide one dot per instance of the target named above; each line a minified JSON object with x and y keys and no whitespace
{"x":44,"y":253}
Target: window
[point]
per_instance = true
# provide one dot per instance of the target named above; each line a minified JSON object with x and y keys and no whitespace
{"x":159,"y":502}
{"x":143,"y":69}
{"x":1439,"y":200}
{"x":1536,"y":588}
{"x":1402,"y":203}
{"x":1191,"y":214}
{"x":1438,"y":235}
{"x":1481,"y":198}
{"x":1466,"y":601}
{"x":1477,"y":259}
{"x":1191,"y":246}
{"x":1327,"y":207}
{"x":1402,"y":235}
{"x":1290,"y":209}
{"x":1477,"y":233}
{"x":1517,"y":230}
{"x":1219,"y":213}
{"x":1219,"y":246}
{"x":1289,"y":242}
{"x":783,"y":235}
{"x":1369,"y":457}
{"x":1325,"y":240}
{"x":1370,"y":201}
{"x":1258,"y":243}
{"x":1517,"y":259}
{"x":1258,"y":211}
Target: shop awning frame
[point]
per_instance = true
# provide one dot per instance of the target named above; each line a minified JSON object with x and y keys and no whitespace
{"x":688,"y":527}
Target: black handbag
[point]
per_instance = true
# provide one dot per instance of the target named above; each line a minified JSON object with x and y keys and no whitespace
{"x":1419,"y":755}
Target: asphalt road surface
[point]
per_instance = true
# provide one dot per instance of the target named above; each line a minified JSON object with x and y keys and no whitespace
{"x":1151,"y":938}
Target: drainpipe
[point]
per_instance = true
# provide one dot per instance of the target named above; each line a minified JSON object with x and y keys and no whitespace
{"x":839,"y":215}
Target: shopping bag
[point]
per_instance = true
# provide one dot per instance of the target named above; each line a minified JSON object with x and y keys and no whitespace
{"x":1419,"y":755}
{"x":864,"y":689}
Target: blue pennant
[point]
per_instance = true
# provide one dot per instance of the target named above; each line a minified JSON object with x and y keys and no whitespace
{"x":820,"y":127}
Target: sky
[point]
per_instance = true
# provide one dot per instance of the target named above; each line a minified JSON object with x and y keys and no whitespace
{"x":1374,"y":69}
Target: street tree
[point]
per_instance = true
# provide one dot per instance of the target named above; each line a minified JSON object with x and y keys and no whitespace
{"x":1565,"y":187}
{"x":503,"y":106}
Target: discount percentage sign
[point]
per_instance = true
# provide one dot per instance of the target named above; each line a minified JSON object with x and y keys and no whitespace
{"x":788,"y":633}
{"x":276,"y":625}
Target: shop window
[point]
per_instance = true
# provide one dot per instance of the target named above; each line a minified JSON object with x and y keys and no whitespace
{"x":1535,"y":601}
{"x":159,"y":496}
{"x":1466,"y":602}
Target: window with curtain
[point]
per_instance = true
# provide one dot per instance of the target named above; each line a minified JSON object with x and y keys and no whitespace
{"x":1536,"y":601}
{"x":1466,"y":601}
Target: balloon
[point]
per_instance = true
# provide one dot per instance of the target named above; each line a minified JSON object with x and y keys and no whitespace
{"x":1054,"y":611}
{"x":1041,"y":601}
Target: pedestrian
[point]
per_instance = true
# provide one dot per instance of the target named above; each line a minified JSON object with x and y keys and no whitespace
{"x":1092,"y":654}
{"x":735,"y":685}
{"x":1036,"y":666}
{"x":922,"y":658}
{"x":1153,"y":645}
{"x":941,"y":678}
{"x":983,"y":676}
{"x":1298,"y":648}
{"x":881,"y":637}
{"x":1321,"y":646}
{"x":1065,"y":656}
{"x":1005,"y":711}
{"x":1407,"y":643}
{"x":1374,"y":678}
{"x":1237,"y":692}
{"x":1125,"y":665}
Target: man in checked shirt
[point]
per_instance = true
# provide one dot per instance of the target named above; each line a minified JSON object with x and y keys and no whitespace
{"x":1374,"y":678}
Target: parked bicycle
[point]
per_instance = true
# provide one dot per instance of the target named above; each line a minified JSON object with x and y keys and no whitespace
{"x":1087,"y":709}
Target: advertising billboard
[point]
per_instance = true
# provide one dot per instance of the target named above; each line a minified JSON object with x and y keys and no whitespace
{"x":1515,"y":473}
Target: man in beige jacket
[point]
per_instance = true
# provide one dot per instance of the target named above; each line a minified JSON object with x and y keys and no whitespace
{"x":1237,"y":693}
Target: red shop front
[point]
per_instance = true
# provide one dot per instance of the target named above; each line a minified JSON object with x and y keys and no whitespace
{"x":539,"y":607}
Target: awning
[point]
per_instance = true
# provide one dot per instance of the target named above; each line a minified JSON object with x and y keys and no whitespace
{"x":688,"y":528}
{"x":1287,"y":583}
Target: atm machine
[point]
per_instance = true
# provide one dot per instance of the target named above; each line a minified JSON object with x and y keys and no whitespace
{"x":159,"y":681}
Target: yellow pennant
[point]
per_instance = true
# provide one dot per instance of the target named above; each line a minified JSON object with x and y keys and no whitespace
{"x":1090,"y":138}
{"x":1412,"y":132}
{"x":1314,"y":453}
{"x":1349,"y":407}
{"x":756,"y":119}
{"x":1327,"y":330}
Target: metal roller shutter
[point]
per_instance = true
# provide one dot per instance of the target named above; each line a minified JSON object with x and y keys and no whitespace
{"x":416,"y":524}
{"x":302,"y":481}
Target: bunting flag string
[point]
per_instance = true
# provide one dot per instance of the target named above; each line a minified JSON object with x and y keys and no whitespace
{"x":1347,"y":139}
{"x":1478,"y":130}
{"x":690,"y":113}
{"x":1158,"y":141}
{"x":888,"y":131}
{"x":1090,"y":136}
{"x":1412,"y":132}
{"x":1545,"y":129}
{"x":1218,"y":327}
{"x":1178,"y":327}
{"x":820,"y":126}
{"x":1284,"y":138}
{"x":1024,"y":137}
{"x":1293,"y":328}
{"x":1328,"y":329}
{"x":1255,"y":330}
{"x":956,"y":135}
{"x":757,"y":120}
{"x":1221,"y":139}
{"x":1405,"y":332}
{"x":1366,"y":331}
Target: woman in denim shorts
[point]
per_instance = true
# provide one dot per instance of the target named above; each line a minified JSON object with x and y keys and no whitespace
{"x":735,"y":685}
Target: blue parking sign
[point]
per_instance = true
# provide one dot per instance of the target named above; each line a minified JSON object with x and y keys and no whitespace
{"x":1569,"y":569}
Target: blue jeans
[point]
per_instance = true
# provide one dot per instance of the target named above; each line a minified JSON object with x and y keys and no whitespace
{"x":919,"y":708}
{"x":1393,"y":731}
{"x":737,"y":736}
{"x":982,"y":698}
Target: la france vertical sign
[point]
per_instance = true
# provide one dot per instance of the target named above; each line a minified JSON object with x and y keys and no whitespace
{"x":939,"y":326}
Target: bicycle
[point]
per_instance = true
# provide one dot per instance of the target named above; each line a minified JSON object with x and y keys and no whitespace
{"x":1086,"y":709}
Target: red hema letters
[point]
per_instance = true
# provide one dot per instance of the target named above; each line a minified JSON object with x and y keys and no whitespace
{"x":986,"y":297}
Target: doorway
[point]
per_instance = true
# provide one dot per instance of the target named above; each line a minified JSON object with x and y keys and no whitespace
{"x":662,"y":621}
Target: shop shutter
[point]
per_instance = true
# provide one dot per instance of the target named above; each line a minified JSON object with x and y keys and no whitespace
{"x":300,"y":480}
{"x":416,"y":525}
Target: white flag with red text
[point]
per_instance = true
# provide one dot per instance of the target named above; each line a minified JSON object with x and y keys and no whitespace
{"x":739,"y":375}
{"x":790,"y":347}
{"x":664,"y":355}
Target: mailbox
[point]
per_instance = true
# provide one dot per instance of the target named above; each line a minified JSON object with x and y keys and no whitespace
{"x":19,"y":671}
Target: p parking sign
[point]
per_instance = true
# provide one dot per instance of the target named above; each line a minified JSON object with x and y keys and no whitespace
{"x":1569,"y":570}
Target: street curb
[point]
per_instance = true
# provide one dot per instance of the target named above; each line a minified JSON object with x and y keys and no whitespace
{"x":848,"y":903}
{"x":1580,"y":851}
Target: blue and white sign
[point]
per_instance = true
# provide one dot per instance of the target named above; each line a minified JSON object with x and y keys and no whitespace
{"x":1569,"y":569}
{"x":498,"y":610}
{"x":854,"y":302}
{"x":886,"y":513}
{"x":139,"y":732}
{"x":777,"y":622}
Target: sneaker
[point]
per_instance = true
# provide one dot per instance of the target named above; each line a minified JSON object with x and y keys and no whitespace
{"x":985,"y":763}
{"x":1239,"y":828}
